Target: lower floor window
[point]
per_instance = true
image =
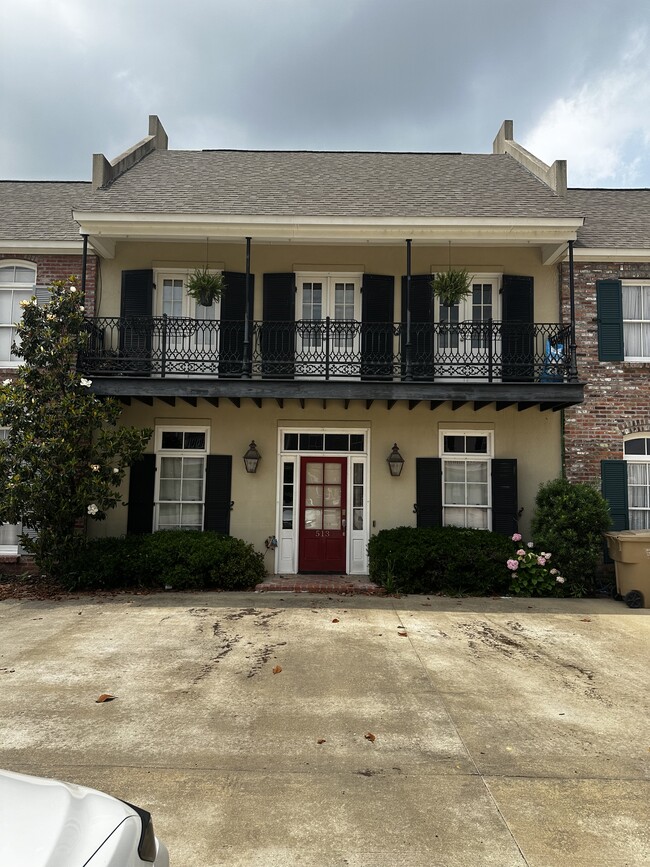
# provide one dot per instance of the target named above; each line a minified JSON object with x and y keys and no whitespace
{"x":637,"y":455}
{"x":466,"y":478}
{"x":181,"y":479}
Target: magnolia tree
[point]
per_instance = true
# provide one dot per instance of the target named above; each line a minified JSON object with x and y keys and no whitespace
{"x":64,"y":457}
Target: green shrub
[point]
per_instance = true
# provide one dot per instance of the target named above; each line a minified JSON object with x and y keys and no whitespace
{"x":569,"y":521}
{"x":440,"y":560}
{"x":175,"y":559}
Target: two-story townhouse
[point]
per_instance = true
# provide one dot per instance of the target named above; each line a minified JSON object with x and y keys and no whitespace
{"x":328,"y":394}
{"x":607,"y":438}
{"x":39,"y":243}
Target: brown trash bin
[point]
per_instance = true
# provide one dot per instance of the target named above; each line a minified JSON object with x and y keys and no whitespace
{"x":630,"y":551}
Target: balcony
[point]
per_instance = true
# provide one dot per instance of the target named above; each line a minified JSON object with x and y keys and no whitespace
{"x":481,"y":361}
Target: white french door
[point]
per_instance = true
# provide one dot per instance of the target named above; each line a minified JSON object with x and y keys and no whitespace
{"x":335,"y":344}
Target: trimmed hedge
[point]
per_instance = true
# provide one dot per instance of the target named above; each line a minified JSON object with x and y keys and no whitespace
{"x":174,"y":559}
{"x":448,"y":560}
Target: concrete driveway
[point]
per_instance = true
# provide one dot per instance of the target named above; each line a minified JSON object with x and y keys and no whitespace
{"x":412,"y":731}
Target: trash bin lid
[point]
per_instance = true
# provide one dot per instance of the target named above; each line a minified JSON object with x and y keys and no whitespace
{"x":634,"y":535}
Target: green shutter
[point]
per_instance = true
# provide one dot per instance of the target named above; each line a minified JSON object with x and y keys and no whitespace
{"x":504,"y":496}
{"x":278,"y":337}
{"x":518,"y":330}
{"x":613,"y":475}
{"x":609,"y":298}
{"x":231,"y":325}
{"x":421,"y":326}
{"x":141,"y":488}
{"x":428,"y":492}
{"x":377,"y":310}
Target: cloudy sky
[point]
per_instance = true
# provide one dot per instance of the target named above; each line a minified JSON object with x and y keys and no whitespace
{"x":82,"y":76}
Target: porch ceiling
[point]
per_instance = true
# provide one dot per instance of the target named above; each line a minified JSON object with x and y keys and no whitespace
{"x":544,"y":395}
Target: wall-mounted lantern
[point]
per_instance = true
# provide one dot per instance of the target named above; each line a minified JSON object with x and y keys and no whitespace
{"x":252,"y":458}
{"x":395,"y":462}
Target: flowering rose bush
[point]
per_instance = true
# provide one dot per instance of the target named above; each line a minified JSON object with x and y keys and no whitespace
{"x":530,"y":574}
{"x":64,"y":458}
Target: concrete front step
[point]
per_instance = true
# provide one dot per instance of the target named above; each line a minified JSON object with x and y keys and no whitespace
{"x":349,"y":584}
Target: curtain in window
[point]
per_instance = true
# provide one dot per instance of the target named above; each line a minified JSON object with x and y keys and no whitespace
{"x":638,"y":490}
{"x":636,"y":321}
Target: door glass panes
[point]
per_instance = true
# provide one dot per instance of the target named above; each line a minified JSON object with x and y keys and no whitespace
{"x":449,"y":317}
{"x":357,"y":497}
{"x":323,"y":497}
{"x":173,"y":293}
{"x":312,"y":309}
{"x":481,"y":312}
{"x":343,"y":312}
{"x":287,"y":496}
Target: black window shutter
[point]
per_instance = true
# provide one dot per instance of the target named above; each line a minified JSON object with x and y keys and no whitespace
{"x":504,"y":496}
{"x":135,"y":331}
{"x":377,"y":310}
{"x":279,"y":328}
{"x":428,"y":492}
{"x":613,"y":476}
{"x":142,"y":481}
{"x":518,"y":332}
{"x":421,"y":326}
{"x":233,"y":315}
{"x":218,"y":478}
{"x":137,"y":293}
{"x":609,"y":314}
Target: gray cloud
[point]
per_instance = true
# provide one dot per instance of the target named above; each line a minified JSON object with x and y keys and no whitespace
{"x":78,"y":76}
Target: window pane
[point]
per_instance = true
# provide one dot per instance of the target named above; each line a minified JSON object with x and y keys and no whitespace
{"x":288,"y":473}
{"x":336,"y":442}
{"x":477,"y":495}
{"x":357,"y":474}
{"x":6,"y":306}
{"x":313,"y":519}
{"x":477,"y":471}
{"x":333,"y":474}
{"x":332,"y":519}
{"x":24,"y":275}
{"x":476,"y":519}
{"x":454,"y":493}
{"x":454,"y":517}
{"x":7,"y":274}
{"x":169,"y":515}
{"x":193,"y":468}
{"x":635,"y":447}
{"x":476,"y":445}
{"x":311,"y":442}
{"x":314,"y":474}
{"x":194,"y":440}
{"x":172,"y":440}
{"x":357,"y":519}
{"x":192,"y":490}
{"x":314,"y":495}
{"x":332,"y":495}
{"x":191,"y":516}
{"x":171,"y":468}
{"x":455,"y":471}
{"x":356,"y":442}
{"x":291,"y":442}
{"x":170,"y":489}
{"x":454,"y":444}
{"x":5,"y":344}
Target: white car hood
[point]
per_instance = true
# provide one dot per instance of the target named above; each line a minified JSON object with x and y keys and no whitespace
{"x":46,"y":823}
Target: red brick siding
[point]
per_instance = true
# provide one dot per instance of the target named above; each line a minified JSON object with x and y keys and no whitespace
{"x":617,"y":394}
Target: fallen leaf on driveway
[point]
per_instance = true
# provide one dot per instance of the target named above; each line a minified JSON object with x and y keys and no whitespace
{"x":335,"y":620}
{"x":105,"y":696}
{"x":401,"y":630}
{"x":277,"y":669}
{"x":585,"y":619}
{"x":370,"y":737}
{"x":321,"y":741}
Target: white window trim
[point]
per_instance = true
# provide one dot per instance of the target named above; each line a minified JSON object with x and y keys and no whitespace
{"x":13,"y":287}
{"x":162,"y":452}
{"x":495,"y":277}
{"x":636,"y":459}
{"x":189,"y":304}
{"x":634,"y":358}
{"x":485,"y":457}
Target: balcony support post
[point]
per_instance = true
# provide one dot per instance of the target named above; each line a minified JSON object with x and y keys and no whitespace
{"x":246,"y":363}
{"x":408,"y":360}
{"x":573,"y":366}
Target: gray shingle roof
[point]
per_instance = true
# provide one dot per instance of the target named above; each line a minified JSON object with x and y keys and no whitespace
{"x":41,"y":210}
{"x":330,"y":184}
{"x":613,"y":218}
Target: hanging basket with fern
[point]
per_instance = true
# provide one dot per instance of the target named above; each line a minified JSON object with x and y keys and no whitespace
{"x":452,"y":286}
{"x":205,"y":286}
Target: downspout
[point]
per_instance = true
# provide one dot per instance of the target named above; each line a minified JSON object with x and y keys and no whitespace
{"x":247,"y":312}
{"x":407,"y":366}
{"x":573,"y":369}
{"x":84,"y":265}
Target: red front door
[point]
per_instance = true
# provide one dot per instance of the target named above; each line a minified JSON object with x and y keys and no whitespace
{"x":322,"y":514}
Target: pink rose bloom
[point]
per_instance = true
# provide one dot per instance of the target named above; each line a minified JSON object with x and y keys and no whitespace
{"x":541,"y":561}
{"x":516,"y":537}
{"x":513,"y":565}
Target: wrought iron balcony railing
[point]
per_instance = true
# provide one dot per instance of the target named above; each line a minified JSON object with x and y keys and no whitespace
{"x":492,"y":351}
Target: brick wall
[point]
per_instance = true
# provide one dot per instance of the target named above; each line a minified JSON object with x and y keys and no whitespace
{"x":617,"y":394}
{"x":59,"y":267}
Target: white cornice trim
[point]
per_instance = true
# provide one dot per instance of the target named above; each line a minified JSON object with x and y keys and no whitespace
{"x":611,"y":254}
{"x":43,"y":247}
{"x":481,"y":230}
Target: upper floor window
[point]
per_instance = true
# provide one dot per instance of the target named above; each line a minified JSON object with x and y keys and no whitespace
{"x":173,"y":298}
{"x":637,"y":455}
{"x":636,"y":321}
{"x":17,"y":282}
